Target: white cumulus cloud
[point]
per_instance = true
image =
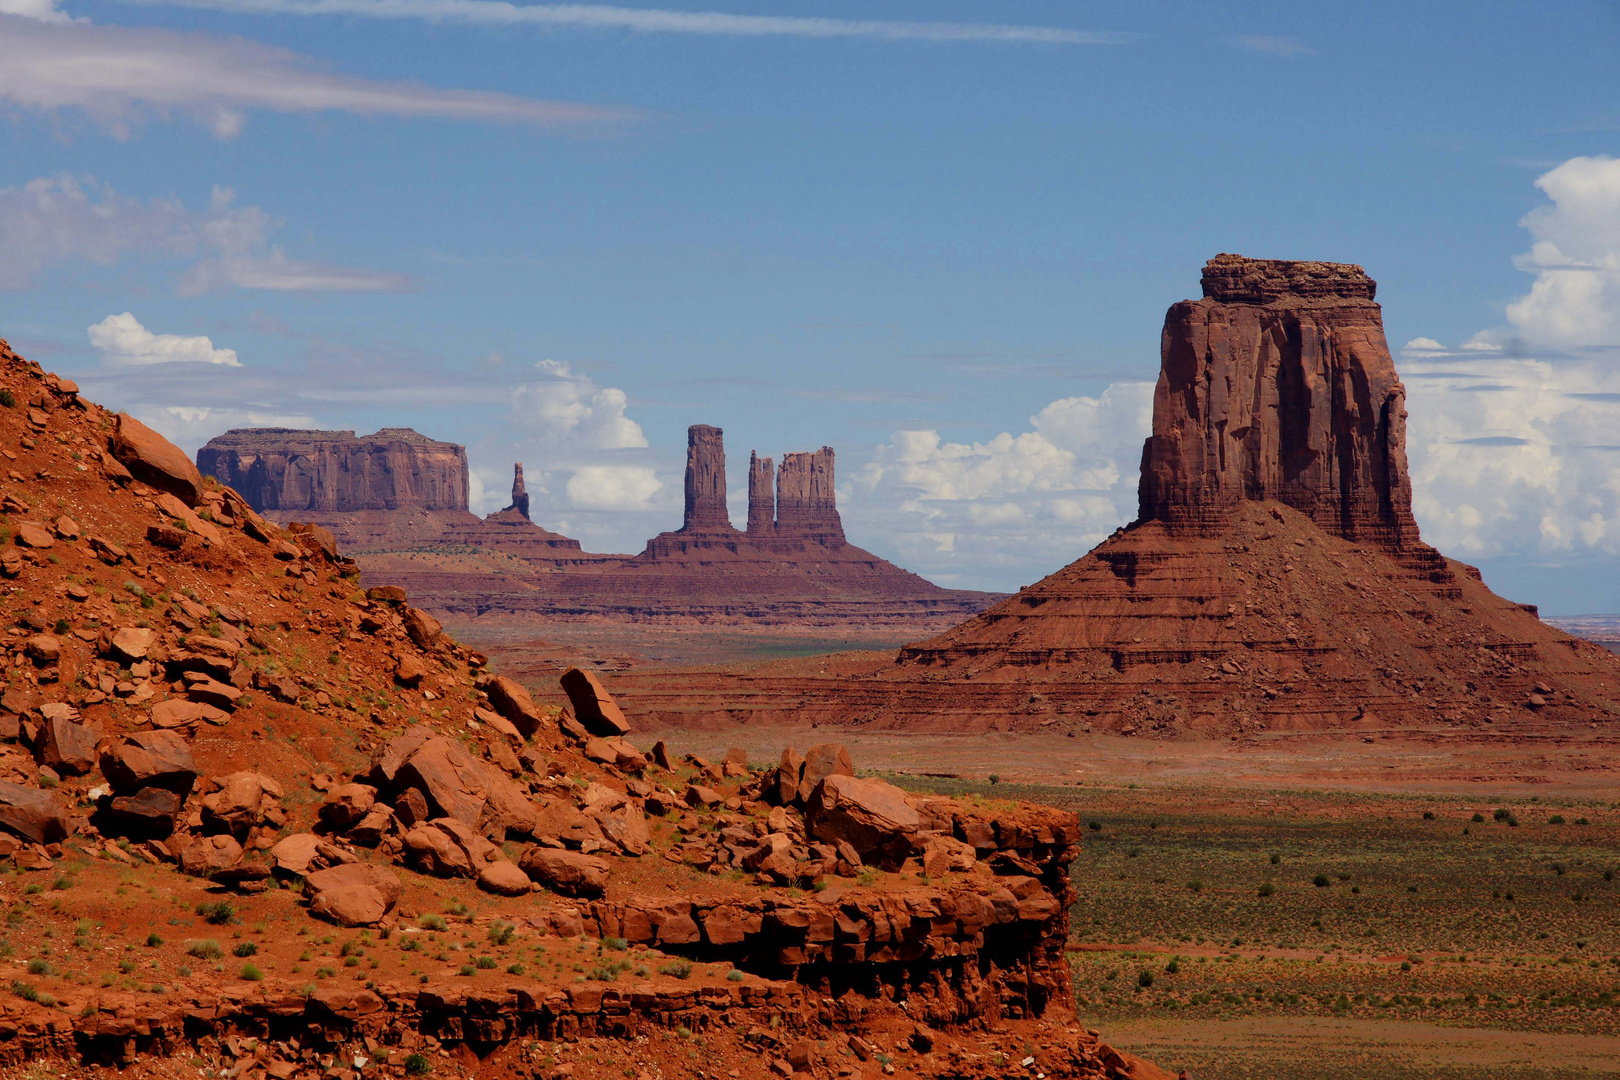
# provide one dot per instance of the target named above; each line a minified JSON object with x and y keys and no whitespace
{"x":613,"y":487}
{"x":1516,"y":453}
{"x":121,"y":339}
{"x":1000,"y":512}
{"x":1514,"y":456}
{"x":564,"y":407}
{"x":1574,"y":302}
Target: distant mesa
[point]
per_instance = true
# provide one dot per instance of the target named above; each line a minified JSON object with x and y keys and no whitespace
{"x":398,"y":501}
{"x":1274,"y":579}
{"x":285,"y":469}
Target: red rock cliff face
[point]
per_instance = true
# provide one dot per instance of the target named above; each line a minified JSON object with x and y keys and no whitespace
{"x":293,"y":470}
{"x":805,"y":502}
{"x":1279,"y":384}
{"x":705,"y":480}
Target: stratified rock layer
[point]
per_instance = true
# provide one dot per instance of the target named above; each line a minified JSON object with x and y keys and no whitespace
{"x":284,"y":469}
{"x":1279,"y":385}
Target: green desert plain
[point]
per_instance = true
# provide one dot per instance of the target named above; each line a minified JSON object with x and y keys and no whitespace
{"x":1323,"y":908}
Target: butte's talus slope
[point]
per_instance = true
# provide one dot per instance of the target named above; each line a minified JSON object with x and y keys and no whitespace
{"x":1274,"y":580}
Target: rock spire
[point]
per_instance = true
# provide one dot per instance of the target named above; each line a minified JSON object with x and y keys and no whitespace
{"x":705,"y":480}
{"x":1279,"y":384}
{"x":520,"y":494}
{"x":761,"y":495}
{"x":805,"y":502}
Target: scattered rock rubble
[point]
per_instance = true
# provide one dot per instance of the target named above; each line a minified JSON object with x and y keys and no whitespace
{"x":178,"y":670}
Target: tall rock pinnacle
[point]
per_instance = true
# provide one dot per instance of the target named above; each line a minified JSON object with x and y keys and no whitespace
{"x":520,"y":494}
{"x":705,"y":480}
{"x":1279,"y":384}
{"x":761,"y":495}
{"x":805,"y":502}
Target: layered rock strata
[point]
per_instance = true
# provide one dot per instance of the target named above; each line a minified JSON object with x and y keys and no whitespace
{"x":1275,"y":580}
{"x":283,"y":469}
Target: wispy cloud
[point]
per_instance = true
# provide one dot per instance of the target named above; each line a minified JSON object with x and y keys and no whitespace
{"x":657,"y":21}
{"x":119,"y":76}
{"x":1272,"y":45}
{"x":64,"y":219}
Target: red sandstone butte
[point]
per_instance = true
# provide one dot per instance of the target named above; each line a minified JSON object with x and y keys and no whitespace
{"x":1279,"y":384}
{"x":1274,"y":581}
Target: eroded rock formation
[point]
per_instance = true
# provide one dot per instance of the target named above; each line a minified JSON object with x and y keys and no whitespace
{"x":705,"y":480}
{"x":1274,"y":582}
{"x":520,"y":494}
{"x":805,"y":502}
{"x":284,"y":469}
{"x":1279,"y":385}
{"x":761,"y":495}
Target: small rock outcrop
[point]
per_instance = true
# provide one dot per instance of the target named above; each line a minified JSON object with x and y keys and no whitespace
{"x":285,"y":469}
{"x":1279,"y":385}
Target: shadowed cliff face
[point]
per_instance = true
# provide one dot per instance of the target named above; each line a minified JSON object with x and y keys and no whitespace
{"x":290,"y":470}
{"x":1279,"y":385}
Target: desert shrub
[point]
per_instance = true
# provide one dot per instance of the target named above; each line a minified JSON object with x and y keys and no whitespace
{"x":217,"y":912}
{"x":676,"y":969}
{"x":206,"y":949}
{"x":245,"y":949}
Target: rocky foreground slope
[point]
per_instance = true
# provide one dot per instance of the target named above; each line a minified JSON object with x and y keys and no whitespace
{"x":261,"y":823}
{"x":1274,"y":579}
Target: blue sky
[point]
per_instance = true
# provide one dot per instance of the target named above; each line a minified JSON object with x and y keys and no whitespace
{"x":939,"y":236}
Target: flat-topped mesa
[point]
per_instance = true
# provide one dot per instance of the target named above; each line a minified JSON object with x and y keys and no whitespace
{"x":761,"y":495}
{"x":706,"y":480}
{"x":287,"y":469}
{"x":520,"y":494}
{"x":805,"y":501}
{"x":1279,"y":385}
